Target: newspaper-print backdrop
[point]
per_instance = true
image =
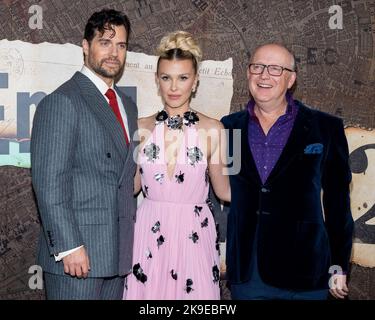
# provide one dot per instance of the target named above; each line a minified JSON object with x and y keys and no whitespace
{"x":362,"y":163}
{"x":30,"y":71}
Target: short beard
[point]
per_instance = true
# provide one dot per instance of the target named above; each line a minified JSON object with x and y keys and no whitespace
{"x":97,"y":67}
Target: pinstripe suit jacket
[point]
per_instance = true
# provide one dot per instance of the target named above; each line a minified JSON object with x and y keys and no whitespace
{"x":82,"y":174}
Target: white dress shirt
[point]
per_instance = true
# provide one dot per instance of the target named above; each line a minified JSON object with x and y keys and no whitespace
{"x":102,"y":87}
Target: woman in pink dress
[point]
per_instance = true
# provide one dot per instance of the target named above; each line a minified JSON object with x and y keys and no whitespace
{"x":175,"y":242}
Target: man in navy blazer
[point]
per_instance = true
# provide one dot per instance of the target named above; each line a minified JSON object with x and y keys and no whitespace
{"x":289,"y":233}
{"x":83,"y":170}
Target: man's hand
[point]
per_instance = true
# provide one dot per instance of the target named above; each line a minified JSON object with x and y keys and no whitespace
{"x":339,"y":288}
{"x":77,"y":264}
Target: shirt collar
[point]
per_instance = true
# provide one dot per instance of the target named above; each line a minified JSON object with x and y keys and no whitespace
{"x":97,"y":81}
{"x":290,"y":110}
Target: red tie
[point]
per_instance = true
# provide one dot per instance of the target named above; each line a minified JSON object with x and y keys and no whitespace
{"x":111,"y":95}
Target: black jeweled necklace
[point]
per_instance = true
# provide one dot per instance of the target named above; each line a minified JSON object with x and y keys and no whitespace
{"x":175,"y":122}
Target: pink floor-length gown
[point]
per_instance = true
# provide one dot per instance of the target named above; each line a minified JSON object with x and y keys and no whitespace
{"x":175,"y":242}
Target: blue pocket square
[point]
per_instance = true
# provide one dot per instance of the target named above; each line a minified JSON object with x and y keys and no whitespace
{"x":314,"y":148}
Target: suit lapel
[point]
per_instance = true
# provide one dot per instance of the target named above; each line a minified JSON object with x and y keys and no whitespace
{"x":248,"y":167}
{"x":130,"y":110}
{"x":131,"y":114}
{"x":296,"y":142}
{"x":100,"y":107}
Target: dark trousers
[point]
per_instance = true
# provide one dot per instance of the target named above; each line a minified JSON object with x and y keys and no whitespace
{"x":64,"y":287}
{"x":256,"y":289}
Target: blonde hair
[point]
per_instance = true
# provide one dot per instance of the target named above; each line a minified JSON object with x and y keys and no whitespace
{"x":179,"y":45}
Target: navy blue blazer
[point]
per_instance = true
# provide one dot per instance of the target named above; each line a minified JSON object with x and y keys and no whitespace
{"x":303,"y":209}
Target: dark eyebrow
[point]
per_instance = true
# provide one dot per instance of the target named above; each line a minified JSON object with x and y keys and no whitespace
{"x":105,"y":39}
{"x":181,"y":74}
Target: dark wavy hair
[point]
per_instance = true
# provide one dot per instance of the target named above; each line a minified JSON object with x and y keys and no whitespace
{"x":104,"y":20}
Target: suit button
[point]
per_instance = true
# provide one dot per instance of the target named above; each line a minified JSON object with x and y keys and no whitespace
{"x":119,"y":187}
{"x":264,"y":190}
{"x":108,"y":155}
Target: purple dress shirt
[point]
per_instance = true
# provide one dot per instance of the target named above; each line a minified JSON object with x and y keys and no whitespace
{"x":266,"y":149}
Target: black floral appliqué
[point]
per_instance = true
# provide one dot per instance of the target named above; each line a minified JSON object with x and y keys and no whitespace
{"x":215,"y":274}
{"x":173,"y":274}
{"x":152,"y":152}
{"x":197,"y":210}
{"x":210,"y":205}
{"x":180,"y":177}
{"x":190,"y":117}
{"x":156,"y":227}
{"x":174,"y":122}
{"x":145,"y":190}
{"x":194,"y":236}
{"x":148,"y":254}
{"x":217,"y":238}
{"x":160,"y":241}
{"x":138,"y":272}
{"x":206,"y":177}
{"x":161,"y":116}
{"x":194,"y":155}
{"x":188,"y":287}
{"x":204,"y":223}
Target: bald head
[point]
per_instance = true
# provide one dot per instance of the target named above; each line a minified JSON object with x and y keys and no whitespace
{"x":280,"y":50}
{"x":267,"y":89}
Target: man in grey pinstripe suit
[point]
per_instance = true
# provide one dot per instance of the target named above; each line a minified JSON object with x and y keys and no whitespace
{"x":83,"y":169}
